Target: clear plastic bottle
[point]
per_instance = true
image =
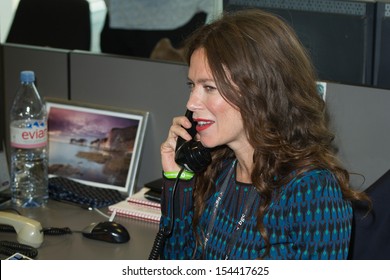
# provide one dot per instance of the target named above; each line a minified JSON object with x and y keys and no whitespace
{"x":28,"y":131}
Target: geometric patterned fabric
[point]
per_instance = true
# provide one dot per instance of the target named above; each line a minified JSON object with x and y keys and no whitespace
{"x":308,"y":220}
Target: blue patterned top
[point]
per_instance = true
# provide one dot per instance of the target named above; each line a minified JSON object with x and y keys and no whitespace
{"x":308,"y":220}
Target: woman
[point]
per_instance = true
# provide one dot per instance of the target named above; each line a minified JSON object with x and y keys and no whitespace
{"x":274,"y":188}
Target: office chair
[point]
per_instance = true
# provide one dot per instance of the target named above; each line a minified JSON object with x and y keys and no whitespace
{"x":64,"y":24}
{"x":371,"y":231}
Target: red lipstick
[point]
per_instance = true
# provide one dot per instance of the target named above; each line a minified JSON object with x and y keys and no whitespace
{"x":203,"y":124}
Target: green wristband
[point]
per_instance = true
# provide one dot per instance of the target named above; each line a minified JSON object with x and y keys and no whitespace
{"x":185,"y":175}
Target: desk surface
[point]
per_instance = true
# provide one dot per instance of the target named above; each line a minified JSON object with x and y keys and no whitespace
{"x":77,"y":247}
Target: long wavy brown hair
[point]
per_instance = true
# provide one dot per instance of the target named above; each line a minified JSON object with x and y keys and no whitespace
{"x":261,"y":68}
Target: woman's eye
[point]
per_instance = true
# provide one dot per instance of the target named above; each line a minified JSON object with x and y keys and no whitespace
{"x":210,"y":88}
{"x":207,"y":88}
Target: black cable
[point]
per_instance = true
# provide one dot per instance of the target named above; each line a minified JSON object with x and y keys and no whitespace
{"x":158,"y":244}
{"x":166,"y":231}
{"x":9,"y":248}
{"x":46,"y":231}
{"x":56,"y":231}
{"x":6,"y":228}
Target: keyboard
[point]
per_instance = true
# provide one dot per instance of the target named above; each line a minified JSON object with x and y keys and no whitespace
{"x":64,"y":189}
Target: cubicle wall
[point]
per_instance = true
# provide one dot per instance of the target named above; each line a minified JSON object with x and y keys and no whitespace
{"x":156,"y":87}
{"x":4,"y":173}
{"x":51,"y":70}
{"x":50,"y":66}
{"x":2,"y":129}
{"x":361,"y":121}
{"x":360,"y":115}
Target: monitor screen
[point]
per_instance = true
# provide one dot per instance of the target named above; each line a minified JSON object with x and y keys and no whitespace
{"x":96,"y":145}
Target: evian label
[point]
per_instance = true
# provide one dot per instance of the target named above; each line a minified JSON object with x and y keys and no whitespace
{"x":32,"y":134}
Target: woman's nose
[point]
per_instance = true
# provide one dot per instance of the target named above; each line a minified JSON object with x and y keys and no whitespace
{"x":194,"y":101}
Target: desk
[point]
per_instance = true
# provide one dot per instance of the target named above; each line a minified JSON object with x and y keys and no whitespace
{"x":77,"y":247}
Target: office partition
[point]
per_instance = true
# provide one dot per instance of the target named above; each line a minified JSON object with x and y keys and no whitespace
{"x":360,"y":118}
{"x":125,"y":82}
{"x":51,"y":71}
{"x":4,"y":173}
{"x":2,"y":97}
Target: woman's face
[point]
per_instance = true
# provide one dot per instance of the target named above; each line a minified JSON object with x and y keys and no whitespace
{"x":218,"y":122}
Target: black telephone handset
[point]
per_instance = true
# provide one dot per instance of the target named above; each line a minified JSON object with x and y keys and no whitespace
{"x":191,"y":154}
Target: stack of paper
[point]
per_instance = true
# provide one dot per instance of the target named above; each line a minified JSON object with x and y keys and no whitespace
{"x":138,"y":207}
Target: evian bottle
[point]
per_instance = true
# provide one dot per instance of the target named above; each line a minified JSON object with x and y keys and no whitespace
{"x":28,"y":132}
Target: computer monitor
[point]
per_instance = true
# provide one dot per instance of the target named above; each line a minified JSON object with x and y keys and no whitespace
{"x":339,"y":35}
{"x":99,"y":146}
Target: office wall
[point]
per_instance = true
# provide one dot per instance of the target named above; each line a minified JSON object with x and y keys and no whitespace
{"x":124,"y":82}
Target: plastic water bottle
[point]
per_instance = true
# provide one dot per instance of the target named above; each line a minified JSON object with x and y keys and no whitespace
{"x":28,"y":131}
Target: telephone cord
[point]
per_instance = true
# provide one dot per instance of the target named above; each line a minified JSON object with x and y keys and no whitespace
{"x":46,"y":231}
{"x":166,"y":231}
{"x":9,"y":248}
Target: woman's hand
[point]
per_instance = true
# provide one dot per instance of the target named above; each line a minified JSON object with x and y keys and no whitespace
{"x":168,"y":147}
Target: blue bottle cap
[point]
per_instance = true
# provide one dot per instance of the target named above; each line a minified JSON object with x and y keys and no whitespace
{"x":27,"y":76}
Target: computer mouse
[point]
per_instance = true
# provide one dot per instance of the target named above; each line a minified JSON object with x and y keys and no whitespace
{"x":107,"y":231}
